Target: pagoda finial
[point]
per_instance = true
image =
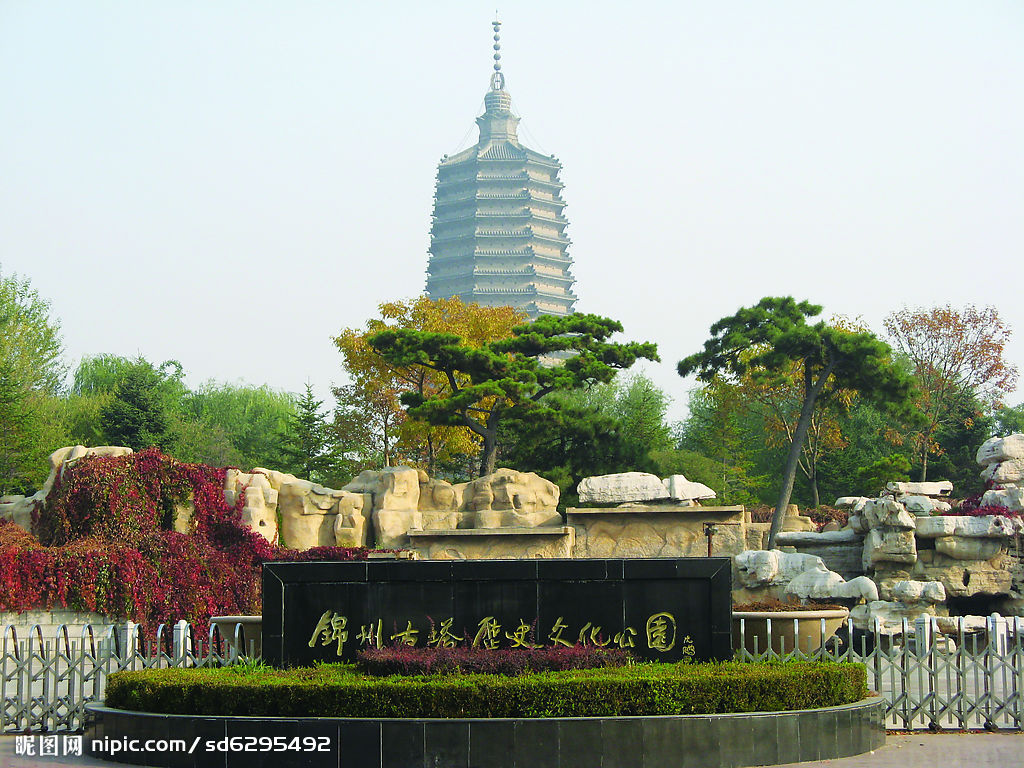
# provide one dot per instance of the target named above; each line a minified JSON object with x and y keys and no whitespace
{"x":497,"y":79}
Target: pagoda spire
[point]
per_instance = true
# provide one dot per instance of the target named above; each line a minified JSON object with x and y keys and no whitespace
{"x":497,"y":79}
{"x":497,"y":236}
{"x":497,"y":123}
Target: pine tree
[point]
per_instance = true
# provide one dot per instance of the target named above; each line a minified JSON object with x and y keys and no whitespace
{"x":309,"y":447}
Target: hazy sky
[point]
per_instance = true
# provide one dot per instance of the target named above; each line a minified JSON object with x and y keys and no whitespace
{"x":231,"y":183}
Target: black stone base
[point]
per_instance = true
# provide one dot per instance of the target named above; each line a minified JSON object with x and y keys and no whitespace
{"x":679,"y":741}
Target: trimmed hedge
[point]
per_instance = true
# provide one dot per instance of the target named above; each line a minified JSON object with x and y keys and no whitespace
{"x":342,"y":691}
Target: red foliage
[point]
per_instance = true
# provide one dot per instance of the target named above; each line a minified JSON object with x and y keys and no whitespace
{"x":972,"y":506}
{"x":106,"y":544}
{"x":405,"y":660}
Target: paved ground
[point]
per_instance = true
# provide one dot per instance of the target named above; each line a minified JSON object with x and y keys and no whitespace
{"x":915,"y":750}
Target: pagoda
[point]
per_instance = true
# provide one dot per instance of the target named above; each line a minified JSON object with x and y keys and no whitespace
{"x":498,"y":232}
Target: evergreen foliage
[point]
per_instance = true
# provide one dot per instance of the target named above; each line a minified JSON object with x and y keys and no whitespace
{"x":510,"y":376}
{"x":766,"y":339}
{"x":309,"y":447}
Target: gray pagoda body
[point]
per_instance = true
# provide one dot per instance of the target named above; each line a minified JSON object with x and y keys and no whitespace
{"x":498,"y":234}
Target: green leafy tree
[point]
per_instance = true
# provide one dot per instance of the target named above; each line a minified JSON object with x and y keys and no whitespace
{"x":956,"y":354}
{"x":1009,"y":420}
{"x":725,"y":429}
{"x":768,"y":338}
{"x":309,"y":448}
{"x":30,"y":344}
{"x":873,"y":478}
{"x":570,"y":441}
{"x":136,"y":414}
{"x":234,"y":424}
{"x":489,"y":381}
{"x":640,"y":407}
{"x":31,"y":375}
{"x":19,"y":433}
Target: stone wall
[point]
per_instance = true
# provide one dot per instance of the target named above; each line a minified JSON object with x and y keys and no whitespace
{"x":657,"y":531}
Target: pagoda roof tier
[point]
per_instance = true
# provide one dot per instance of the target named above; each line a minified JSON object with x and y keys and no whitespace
{"x":472,"y":253}
{"x":525,"y":270}
{"x":522,"y":215}
{"x":502,"y":151}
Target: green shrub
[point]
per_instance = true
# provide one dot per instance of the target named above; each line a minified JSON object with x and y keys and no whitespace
{"x":342,"y":691}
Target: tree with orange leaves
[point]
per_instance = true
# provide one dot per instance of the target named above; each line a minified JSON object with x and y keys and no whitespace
{"x":373,"y":397}
{"x":955,"y":354}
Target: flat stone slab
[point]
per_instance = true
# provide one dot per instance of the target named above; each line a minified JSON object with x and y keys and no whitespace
{"x":552,"y":530}
{"x":621,"y":487}
{"x":844,"y":536}
{"x":652,"y":509}
{"x":984,"y":526}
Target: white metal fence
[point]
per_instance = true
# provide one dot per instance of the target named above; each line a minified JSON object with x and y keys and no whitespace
{"x":963,"y":678}
{"x":45,"y":682}
{"x":967,"y":679}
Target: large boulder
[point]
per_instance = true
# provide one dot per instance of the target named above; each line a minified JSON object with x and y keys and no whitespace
{"x":767,"y":567}
{"x":909,"y":591}
{"x":1007,"y":472}
{"x":997,"y":449}
{"x":439,"y":503}
{"x":621,"y":488}
{"x":888,"y":545}
{"x":985,"y":526}
{"x":852,"y":503}
{"x":941,"y":489}
{"x":923,"y":506}
{"x":309,"y":515}
{"x":681,"y":489}
{"x":395,"y":494}
{"x":259,"y":503}
{"x":1011,"y":498}
{"x":508,"y":498}
{"x":396,"y":489}
{"x":969,"y":548}
{"x":824,"y":584}
{"x":18,"y":509}
{"x":887,"y":513}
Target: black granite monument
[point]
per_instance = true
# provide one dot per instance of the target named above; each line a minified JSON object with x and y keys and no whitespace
{"x":663,"y":609}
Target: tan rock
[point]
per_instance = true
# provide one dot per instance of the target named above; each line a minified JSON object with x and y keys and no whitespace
{"x":350,"y":529}
{"x":276,"y":479}
{"x":963,"y":578}
{"x":439,"y":504}
{"x":508,"y":498}
{"x":502,"y":544}
{"x":909,"y":591}
{"x":18,"y":510}
{"x":888,"y":545}
{"x":396,"y":489}
{"x":310,"y":512}
{"x":963,"y":548}
{"x":259,"y":504}
{"x":887,"y":513}
{"x":392,"y":526}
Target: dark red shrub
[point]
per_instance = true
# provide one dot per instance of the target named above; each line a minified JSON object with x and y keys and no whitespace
{"x":405,"y":660}
{"x":105,"y":544}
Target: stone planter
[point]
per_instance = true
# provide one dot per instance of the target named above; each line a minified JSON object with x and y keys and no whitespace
{"x":251,"y":633}
{"x":788,"y":628}
{"x":698,"y":741}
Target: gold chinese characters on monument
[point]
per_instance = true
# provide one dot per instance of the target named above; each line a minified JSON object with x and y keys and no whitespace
{"x":660,"y":634}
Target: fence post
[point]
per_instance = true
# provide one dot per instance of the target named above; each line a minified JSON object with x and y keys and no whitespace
{"x":182,"y":642}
